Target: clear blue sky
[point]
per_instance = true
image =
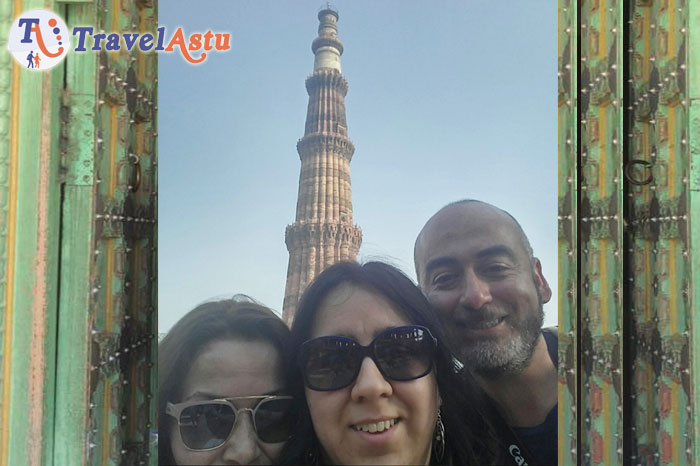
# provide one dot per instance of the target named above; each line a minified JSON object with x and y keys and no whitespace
{"x":447,"y":100}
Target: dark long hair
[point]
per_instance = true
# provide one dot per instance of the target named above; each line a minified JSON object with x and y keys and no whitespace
{"x":468,"y":434}
{"x":238,"y":317}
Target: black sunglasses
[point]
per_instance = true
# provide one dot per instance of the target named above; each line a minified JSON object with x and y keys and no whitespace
{"x":206,"y":425}
{"x":400,"y":353}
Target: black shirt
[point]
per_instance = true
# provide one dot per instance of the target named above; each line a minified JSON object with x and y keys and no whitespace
{"x":541,"y":440}
{"x":529,"y":445}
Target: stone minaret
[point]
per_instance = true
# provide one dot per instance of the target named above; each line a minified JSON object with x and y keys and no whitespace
{"x":323,"y":232}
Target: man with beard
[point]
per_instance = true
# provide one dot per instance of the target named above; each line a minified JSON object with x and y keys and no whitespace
{"x":476,"y":267}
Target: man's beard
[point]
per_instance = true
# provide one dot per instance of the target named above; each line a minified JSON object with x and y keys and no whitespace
{"x":497,"y":357}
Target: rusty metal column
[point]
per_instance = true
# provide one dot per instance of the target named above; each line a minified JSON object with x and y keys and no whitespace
{"x":77,"y":246}
{"x":568,"y":231}
{"x":662,"y":184}
{"x":637,"y":100}
{"x":600,"y":234}
{"x":29,"y":251}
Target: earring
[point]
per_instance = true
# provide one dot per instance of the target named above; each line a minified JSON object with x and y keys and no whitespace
{"x":439,"y":439}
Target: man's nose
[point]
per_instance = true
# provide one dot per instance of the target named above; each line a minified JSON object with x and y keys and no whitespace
{"x":475,"y":293}
{"x":242,"y":447}
{"x":370,"y":383}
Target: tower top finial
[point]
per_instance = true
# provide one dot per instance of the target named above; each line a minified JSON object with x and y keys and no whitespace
{"x":327,"y":47}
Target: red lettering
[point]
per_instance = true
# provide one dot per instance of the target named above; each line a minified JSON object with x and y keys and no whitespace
{"x":195,"y":42}
{"x":222,"y":41}
{"x":179,"y":40}
{"x":208,"y":36}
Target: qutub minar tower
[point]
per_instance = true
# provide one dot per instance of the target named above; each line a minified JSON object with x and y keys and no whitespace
{"x":323,"y":232}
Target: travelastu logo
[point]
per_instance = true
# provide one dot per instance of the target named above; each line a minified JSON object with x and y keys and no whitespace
{"x":39,"y":40}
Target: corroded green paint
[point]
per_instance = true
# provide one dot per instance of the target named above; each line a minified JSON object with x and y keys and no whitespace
{"x":600,"y":234}
{"x":567,"y":215}
{"x":77,"y":381}
{"x":661,"y":226}
{"x":664,"y":269}
{"x":693,"y":97}
{"x":29,"y":225}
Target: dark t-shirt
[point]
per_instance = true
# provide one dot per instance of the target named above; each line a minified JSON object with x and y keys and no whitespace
{"x":535,"y":445}
{"x":541,"y":440}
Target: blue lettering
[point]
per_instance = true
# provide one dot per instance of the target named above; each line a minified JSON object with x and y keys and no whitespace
{"x":112,"y":42}
{"x":145,"y":42}
{"x":130,"y":40}
{"x":81,"y":38}
{"x":98,"y":38}
{"x":27,"y":23}
{"x":161,"y":37}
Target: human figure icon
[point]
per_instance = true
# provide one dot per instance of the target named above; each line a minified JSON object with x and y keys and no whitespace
{"x":36,"y":60}
{"x":30,"y":57}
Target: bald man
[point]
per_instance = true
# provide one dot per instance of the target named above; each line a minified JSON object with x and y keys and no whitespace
{"x":476,"y":267}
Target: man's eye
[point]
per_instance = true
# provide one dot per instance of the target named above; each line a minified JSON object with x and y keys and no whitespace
{"x":444,"y":279}
{"x":495,"y":269}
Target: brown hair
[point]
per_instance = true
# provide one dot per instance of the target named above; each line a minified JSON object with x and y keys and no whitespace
{"x":238,"y":317}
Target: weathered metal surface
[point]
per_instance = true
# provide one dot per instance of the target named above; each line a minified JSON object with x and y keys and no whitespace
{"x":692,"y":24}
{"x":29,"y":201}
{"x":568,"y":232}
{"x":600,"y":233}
{"x":77,"y":247}
{"x":663,"y":265}
{"x":637,"y":104}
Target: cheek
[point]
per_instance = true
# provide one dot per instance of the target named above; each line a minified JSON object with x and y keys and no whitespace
{"x":444,"y":302}
{"x":422,"y":399}
{"x":184,"y":456}
{"x":272,"y":450}
{"x":326,"y":411}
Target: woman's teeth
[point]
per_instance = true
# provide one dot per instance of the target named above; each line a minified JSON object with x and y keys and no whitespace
{"x":380,"y":426}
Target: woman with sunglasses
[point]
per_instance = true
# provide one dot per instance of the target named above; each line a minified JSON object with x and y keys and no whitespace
{"x":373,"y":380}
{"x":222,"y":398}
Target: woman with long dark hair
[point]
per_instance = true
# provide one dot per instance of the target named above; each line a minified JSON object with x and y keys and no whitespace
{"x":373,"y":381}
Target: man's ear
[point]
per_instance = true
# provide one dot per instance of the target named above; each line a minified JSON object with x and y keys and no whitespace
{"x":541,"y":282}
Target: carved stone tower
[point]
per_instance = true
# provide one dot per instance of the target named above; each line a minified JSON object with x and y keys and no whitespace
{"x":323,"y":232}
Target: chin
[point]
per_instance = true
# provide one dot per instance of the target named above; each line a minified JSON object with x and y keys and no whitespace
{"x":389,"y":459}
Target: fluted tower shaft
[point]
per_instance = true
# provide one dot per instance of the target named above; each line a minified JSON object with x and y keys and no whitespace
{"x":323,"y":232}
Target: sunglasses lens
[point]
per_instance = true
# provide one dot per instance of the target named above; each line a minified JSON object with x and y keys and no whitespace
{"x":404,"y":353}
{"x":329,"y":363}
{"x":273,"y":420}
{"x":206,"y":426}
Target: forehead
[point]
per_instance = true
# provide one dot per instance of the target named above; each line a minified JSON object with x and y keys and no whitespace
{"x":355,"y":312}
{"x":236,"y":367}
{"x":467,"y":228}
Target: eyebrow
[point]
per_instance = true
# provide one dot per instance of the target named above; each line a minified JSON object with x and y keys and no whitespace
{"x":439,"y":262}
{"x":498,"y":250}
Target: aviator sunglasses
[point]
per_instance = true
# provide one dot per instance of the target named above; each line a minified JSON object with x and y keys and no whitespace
{"x":206,"y":425}
{"x":400,"y":353}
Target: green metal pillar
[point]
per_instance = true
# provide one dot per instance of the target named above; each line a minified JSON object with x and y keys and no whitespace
{"x":664,"y":267}
{"x":600,"y":232}
{"x":29,"y":250}
{"x":629,"y":152}
{"x":568,"y":232}
{"x":77,"y":246}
